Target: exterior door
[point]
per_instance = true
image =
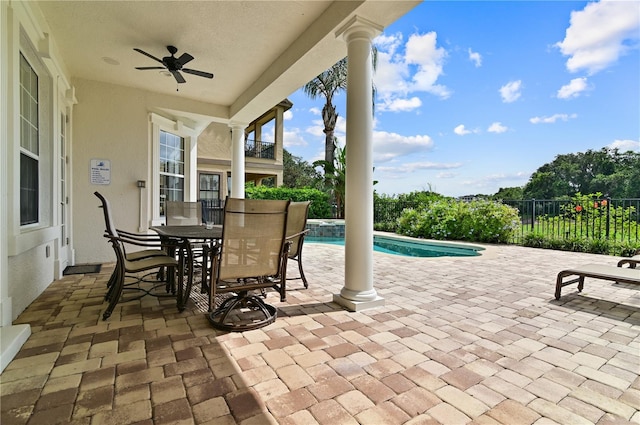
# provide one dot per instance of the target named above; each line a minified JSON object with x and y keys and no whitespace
{"x":65,"y":256}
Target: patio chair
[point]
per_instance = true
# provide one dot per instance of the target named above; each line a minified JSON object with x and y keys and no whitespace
{"x":597,"y":271}
{"x":252,"y":255}
{"x":152,"y":255}
{"x":631,"y":262}
{"x":111,"y":230}
{"x":296,"y":225}
{"x":212,"y":210}
{"x":169,"y":263}
{"x":178,"y":213}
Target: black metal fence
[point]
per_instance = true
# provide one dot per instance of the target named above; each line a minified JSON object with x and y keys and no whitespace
{"x":606,"y":218}
{"x":259,"y":149}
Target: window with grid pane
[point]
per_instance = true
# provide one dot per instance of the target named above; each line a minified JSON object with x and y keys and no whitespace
{"x":171,"y":169}
{"x":29,"y":144}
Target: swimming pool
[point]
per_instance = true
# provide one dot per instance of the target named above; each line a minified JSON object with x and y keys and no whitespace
{"x":408,"y":247}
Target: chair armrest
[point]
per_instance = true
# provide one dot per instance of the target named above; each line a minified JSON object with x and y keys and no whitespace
{"x":148,"y":243}
{"x":295,"y":235}
{"x":138,"y":236}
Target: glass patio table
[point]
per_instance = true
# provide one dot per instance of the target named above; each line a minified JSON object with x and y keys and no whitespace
{"x":190,"y":234}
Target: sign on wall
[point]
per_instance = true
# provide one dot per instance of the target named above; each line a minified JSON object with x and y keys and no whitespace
{"x":100,"y":171}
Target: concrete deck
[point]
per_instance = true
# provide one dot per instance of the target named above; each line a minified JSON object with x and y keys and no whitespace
{"x":460,"y":340}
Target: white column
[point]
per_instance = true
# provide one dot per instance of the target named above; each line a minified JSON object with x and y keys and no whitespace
{"x":358,"y":292}
{"x":237,"y":160}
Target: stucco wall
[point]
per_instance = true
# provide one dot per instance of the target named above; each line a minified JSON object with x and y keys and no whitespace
{"x":112,"y":122}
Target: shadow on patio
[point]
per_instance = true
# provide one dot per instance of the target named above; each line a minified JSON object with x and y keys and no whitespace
{"x":459,"y":340}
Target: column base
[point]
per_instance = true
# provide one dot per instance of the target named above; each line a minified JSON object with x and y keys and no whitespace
{"x":358,"y":305}
{"x":12,"y":338}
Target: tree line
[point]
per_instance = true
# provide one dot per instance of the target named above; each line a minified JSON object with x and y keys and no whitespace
{"x":609,"y":171}
{"x":613,"y":173}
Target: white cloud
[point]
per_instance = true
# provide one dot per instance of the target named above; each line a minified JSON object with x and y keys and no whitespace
{"x":461,"y":130}
{"x":288,"y":115}
{"x":402,"y":72}
{"x":446,"y":175}
{"x":497,"y":127}
{"x":293,"y":137}
{"x":388,"y":146}
{"x":410,"y":167}
{"x":510,"y":92}
{"x":476,"y":58}
{"x":316,"y":111}
{"x":573,"y":89}
{"x":552,"y":119}
{"x":599,"y":34}
{"x":626,"y":145}
{"x":492,"y":181}
{"x":400,"y":105}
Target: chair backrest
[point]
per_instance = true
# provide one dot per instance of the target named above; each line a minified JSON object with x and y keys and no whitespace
{"x":179,"y":213}
{"x":253,"y":236}
{"x":296,"y":223}
{"x":212,"y":210}
{"x":106,"y":210}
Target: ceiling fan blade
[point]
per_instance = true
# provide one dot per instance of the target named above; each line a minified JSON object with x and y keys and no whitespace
{"x":147,"y":54}
{"x":198,"y":73}
{"x":184,"y":58}
{"x":179,"y":78}
{"x":150,"y":67}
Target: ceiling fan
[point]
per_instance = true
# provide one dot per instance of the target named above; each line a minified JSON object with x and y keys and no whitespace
{"x":174,"y":65}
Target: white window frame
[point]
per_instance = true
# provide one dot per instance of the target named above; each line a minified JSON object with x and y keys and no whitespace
{"x":190,"y":137}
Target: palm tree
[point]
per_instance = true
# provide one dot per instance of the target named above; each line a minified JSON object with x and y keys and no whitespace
{"x":327,"y":85}
{"x":335,"y":174}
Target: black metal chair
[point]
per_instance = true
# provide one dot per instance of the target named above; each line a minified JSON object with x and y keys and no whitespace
{"x":152,"y":254}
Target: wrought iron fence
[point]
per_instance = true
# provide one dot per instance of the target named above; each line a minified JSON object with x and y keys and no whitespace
{"x":606,"y":218}
{"x":259,"y":149}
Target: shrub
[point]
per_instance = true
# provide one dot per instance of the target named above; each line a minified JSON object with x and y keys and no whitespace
{"x":476,"y":221}
{"x":319,"y":207}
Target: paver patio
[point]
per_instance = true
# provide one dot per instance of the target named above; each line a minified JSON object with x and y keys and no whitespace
{"x":460,"y":340}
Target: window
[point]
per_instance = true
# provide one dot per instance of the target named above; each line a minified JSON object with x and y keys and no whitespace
{"x":209,"y":186}
{"x":29,"y":144}
{"x":171,"y":169}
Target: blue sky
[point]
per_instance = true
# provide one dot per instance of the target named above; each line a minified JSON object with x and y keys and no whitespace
{"x":475,"y":96}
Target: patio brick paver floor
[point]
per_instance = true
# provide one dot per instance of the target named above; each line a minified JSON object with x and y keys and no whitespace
{"x":459,"y":340}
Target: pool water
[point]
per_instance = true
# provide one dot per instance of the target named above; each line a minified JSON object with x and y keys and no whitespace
{"x":409,"y":248}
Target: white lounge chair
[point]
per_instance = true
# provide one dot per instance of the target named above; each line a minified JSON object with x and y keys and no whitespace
{"x":597,"y":271}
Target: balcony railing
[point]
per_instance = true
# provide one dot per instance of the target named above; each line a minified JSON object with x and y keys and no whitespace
{"x":258,"y":149}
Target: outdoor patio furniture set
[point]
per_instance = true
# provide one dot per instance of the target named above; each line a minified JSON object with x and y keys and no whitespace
{"x":248,"y":252}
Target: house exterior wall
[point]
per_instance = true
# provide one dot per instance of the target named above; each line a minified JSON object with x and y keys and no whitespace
{"x":32,"y":255}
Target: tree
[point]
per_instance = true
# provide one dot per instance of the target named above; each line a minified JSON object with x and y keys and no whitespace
{"x":335,"y":173}
{"x":297,"y":173}
{"x":607,"y":171}
{"x":327,"y":85}
{"x":508,"y":193}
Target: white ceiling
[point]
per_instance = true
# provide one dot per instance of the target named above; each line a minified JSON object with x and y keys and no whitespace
{"x":259,"y":51}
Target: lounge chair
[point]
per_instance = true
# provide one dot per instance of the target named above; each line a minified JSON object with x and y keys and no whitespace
{"x":631,"y":262}
{"x":597,"y":271}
